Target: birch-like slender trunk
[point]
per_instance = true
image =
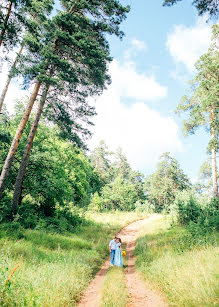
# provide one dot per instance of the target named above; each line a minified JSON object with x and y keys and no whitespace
{"x":5,"y":23}
{"x":5,"y":89}
{"x":209,"y":185}
{"x":21,"y":173}
{"x":214,"y":173}
{"x":17,"y":137}
{"x":214,"y":157}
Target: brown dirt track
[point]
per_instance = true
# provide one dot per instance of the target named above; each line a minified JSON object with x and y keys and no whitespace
{"x":140,"y":295}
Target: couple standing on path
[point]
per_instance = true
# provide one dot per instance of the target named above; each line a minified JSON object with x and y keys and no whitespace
{"x":115,"y":248}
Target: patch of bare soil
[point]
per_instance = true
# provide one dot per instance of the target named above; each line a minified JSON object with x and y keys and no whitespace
{"x":140,"y":294}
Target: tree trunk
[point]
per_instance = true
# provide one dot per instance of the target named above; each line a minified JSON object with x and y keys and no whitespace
{"x":17,"y":137}
{"x":5,"y":89}
{"x":214,"y":173}
{"x":209,"y":185}
{"x":214,"y":159}
{"x":21,"y":173}
{"x":5,"y":23}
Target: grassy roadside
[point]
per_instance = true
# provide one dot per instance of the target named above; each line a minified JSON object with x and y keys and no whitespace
{"x":182,"y":264}
{"x":114,"y":291}
{"x":54,"y":268}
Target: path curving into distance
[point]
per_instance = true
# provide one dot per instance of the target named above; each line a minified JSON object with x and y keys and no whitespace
{"x":140,"y":295}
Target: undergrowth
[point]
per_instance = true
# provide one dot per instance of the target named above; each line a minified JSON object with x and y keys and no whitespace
{"x":181,"y":261}
{"x":55,"y":267}
{"x":114,"y":291}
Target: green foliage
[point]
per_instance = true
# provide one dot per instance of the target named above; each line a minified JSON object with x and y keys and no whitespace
{"x":190,"y":210}
{"x":203,"y":6}
{"x":181,"y":261}
{"x":58,"y":178}
{"x":119,"y":195}
{"x":121,"y":186}
{"x":100,"y":159}
{"x":96,"y":203}
{"x":163,"y":185}
{"x":202,"y":103}
{"x":114,"y":290}
{"x":55,"y":268}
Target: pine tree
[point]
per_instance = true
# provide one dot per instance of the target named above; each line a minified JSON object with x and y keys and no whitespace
{"x":210,"y":7}
{"x":36,"y":14}
{"x":202,"y":104}
{"x":121,"y":165}
{"x":75,"y":103}
{"x":163,"y":185}
{"x":205,"y":173}
{"x":75,"y":47}
{"x":13,"y":20}
{"x":100,"y":159}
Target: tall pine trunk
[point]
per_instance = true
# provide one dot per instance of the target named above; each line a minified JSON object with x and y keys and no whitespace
{"x":5,"y":89}
{"x":21,"y":173}
{"x":214,"y":156}
{"x":5,"y":23}
{"x":214,"y":173}
{"x":17,"y":137}
{"x":209,"y":180}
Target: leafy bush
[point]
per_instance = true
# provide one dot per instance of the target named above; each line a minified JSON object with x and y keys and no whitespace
{"x":144,"y":207}
{"x":189,"y":209}
{"x":186,"y":207}
{"x":96,"y":203}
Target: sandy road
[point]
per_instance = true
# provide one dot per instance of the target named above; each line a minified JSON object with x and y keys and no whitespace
{"x":140,"y":294}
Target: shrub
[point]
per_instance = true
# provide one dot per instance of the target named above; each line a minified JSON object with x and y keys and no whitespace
{"x":189,"y":209}
{"x":186,"y":207}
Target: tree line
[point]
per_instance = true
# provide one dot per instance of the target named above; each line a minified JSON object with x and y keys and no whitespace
{"x":62,"y":56}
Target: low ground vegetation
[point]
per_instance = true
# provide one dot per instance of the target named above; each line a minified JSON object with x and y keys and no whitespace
{"x":181,"y":261}
{"x":114,"y":291}
{"x":54,"y":267}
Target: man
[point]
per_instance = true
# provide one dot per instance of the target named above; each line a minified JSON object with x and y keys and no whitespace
{"x":112,"y":249}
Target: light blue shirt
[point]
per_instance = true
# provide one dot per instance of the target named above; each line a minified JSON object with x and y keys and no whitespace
{"x":112,"y":244}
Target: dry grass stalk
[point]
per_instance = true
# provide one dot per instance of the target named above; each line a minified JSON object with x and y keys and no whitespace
{"x":11,"y":274}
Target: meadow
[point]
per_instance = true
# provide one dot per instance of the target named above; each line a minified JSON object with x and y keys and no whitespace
{"x":180,"y":261}
{"x":55,"y":268}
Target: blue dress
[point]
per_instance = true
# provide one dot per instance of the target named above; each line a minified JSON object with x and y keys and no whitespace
{"x":118,"y":256}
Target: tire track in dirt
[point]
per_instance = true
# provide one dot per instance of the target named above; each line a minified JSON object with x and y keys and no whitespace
{"x":140,"y":294}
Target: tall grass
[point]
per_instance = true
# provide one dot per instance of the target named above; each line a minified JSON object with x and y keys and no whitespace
{"x":55,"y":268}
{"x":182,"y":264}
{"x":114,"y":291}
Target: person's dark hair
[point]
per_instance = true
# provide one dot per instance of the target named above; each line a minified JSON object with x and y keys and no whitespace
{"x":120,"y":241}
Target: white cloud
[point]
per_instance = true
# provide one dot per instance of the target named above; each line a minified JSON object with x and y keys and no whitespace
{"x":138,"y":45}
{"x":187,"y":44}
{"x":128,"y":83}
{"x":142,"y":132}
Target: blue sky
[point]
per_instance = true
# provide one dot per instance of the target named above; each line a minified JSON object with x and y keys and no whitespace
{"x":150,"y":71}
{"x":151,"y":23}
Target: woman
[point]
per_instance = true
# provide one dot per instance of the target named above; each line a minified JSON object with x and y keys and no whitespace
{"x":118,"y":253}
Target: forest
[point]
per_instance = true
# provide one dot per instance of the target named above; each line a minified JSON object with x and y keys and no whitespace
{"x":61,"y":201}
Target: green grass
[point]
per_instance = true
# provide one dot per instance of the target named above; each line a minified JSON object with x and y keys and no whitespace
{"x":55,"y":268}
{"x":182,"y":264}
{"x":114,"y":291}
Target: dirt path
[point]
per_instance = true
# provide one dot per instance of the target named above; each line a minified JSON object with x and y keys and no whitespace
{"x":140,"y":294}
